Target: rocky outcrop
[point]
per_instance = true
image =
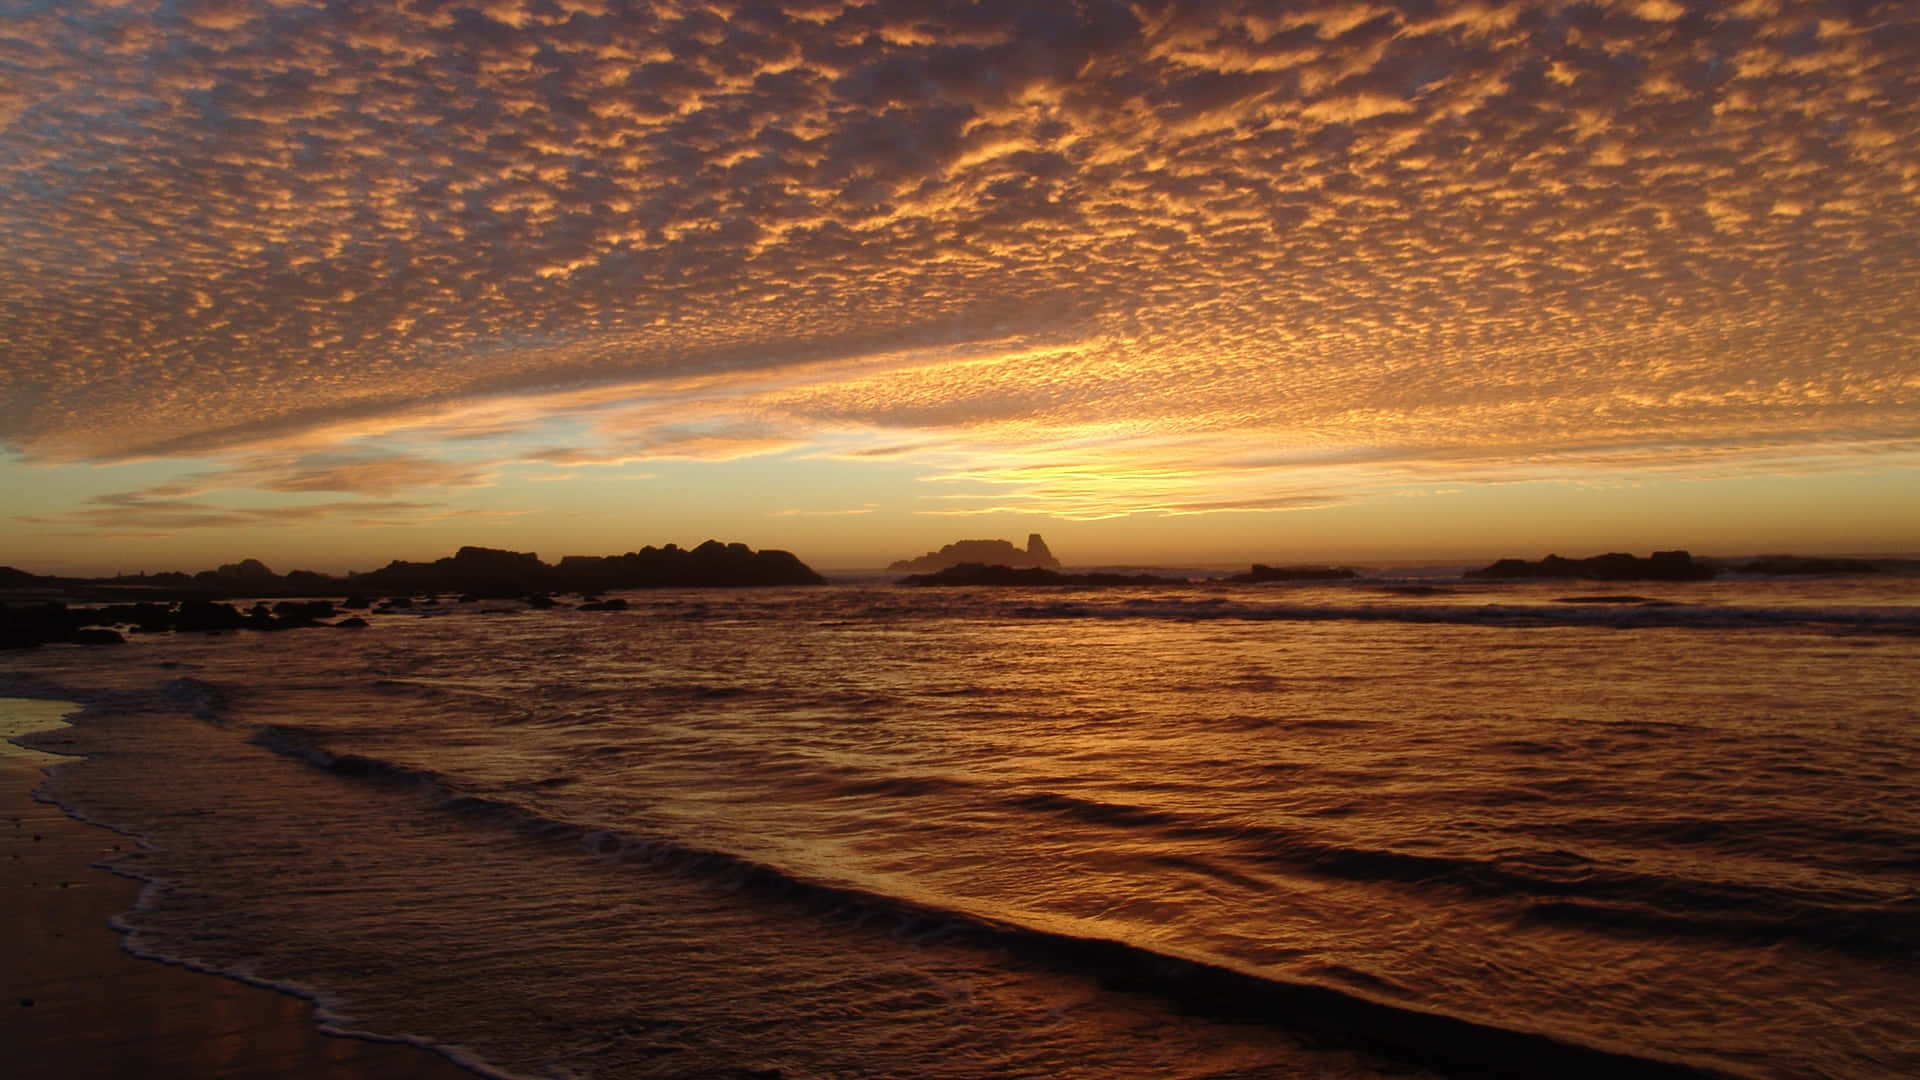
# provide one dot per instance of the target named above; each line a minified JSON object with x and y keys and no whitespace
{"x":1803,"y":565}
{"x":246,"y":570}
{"x":1264,"y":573}
{"x":710,"y":565}
{"x":174,"y":602}
{"x":1614,"y":566}
{"x":984,"y":553}
{"x":491,"y":573}
{"x":488,"y":572}
{"x":1037,"y":551}
{"x":11,"y":578}
{"x":26,"y":626}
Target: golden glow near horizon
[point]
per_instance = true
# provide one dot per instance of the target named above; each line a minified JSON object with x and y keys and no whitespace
{"x":290,"y":277}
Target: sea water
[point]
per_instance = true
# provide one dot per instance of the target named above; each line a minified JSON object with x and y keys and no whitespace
{"x":1365,"y":829}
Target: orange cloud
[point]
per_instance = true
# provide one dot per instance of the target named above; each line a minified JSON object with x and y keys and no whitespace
{"x":136,"y":514}
{"x":1475,"y":235}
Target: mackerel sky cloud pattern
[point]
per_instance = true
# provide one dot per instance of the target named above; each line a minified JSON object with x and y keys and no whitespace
{"x":1205,"y":247}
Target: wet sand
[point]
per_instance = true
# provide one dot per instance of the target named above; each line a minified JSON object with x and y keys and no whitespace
{"x":76,"y":1005}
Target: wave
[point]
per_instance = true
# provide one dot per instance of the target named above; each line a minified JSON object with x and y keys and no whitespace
{"x":1337,"y":1015}
{"x":1553,"y":886}
{"x":1589,"y":895}
{"x":304,"y":744}
{"x":1561,"y":887}
{"x":1093,"y":811}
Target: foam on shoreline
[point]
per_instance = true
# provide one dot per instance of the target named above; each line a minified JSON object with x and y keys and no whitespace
{"x":77,"y":1004}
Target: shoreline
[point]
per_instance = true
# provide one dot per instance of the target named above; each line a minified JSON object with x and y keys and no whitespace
{"x":78,"y":1005}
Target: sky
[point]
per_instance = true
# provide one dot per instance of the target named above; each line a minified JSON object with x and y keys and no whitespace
{"x":327,"y":284}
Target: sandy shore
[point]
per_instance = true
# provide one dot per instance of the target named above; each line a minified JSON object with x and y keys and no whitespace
{"x":75,"y":1005}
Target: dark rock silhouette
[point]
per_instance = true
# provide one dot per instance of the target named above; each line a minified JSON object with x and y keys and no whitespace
{"x":309,"y":583}
{"x":1613,"y":566}
{"x":11,"y":578}
{"x":984,"y":553}
{"x":247,"y":570}
{"x":1262,"y":573}
{"x":487,"y":572}
{"x":1037,"y":551}
{"x":195,"y":605}
{"x":979,"y":574}
{"x":147,"y":618}
{"x":302,"y":613}
{"x":483,"y":573}
{"x":206,"y":615}
{"x":26,"y":626}
{"x":712,"y":564}
{"x":248,"y":577}
{"x":260,"y":617}
{"x":1784,"y":565}
{"x":493,"y":574}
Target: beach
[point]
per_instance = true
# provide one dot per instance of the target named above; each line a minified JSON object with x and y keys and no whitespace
{"x":76,"y":1005}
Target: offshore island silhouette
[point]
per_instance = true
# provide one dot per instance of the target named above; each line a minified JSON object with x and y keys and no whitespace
{"x":983,"y":553}
{"x":153,"y":603}
{"x":33,"y":608}
{"x":486,"y":573}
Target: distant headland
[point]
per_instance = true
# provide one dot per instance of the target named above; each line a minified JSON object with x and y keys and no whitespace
{"x":1263,"y":573}
{"x":157,"y":603}
{"x":34,"y":608}
{"x":984,"y":553}
{"x":488,"y":572}
{"x":482,"y":572}
{"x":1613,"y":566}
{"x":1675,"y":566}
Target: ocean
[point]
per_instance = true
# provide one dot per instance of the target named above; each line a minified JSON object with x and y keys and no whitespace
{"x":1419,"y":827}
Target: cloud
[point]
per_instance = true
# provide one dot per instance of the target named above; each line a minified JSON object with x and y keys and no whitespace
{"x":371,"y":476}
{"x":1486,"y":233}
{"x":354,"y":471}
{"x":856,"y":511}
{"x":254,"y":489}
{"x":140,"y":514}
{"x":623,"y":440}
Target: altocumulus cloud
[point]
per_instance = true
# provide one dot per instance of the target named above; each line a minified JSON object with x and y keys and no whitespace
{"x":1469,"y":233}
